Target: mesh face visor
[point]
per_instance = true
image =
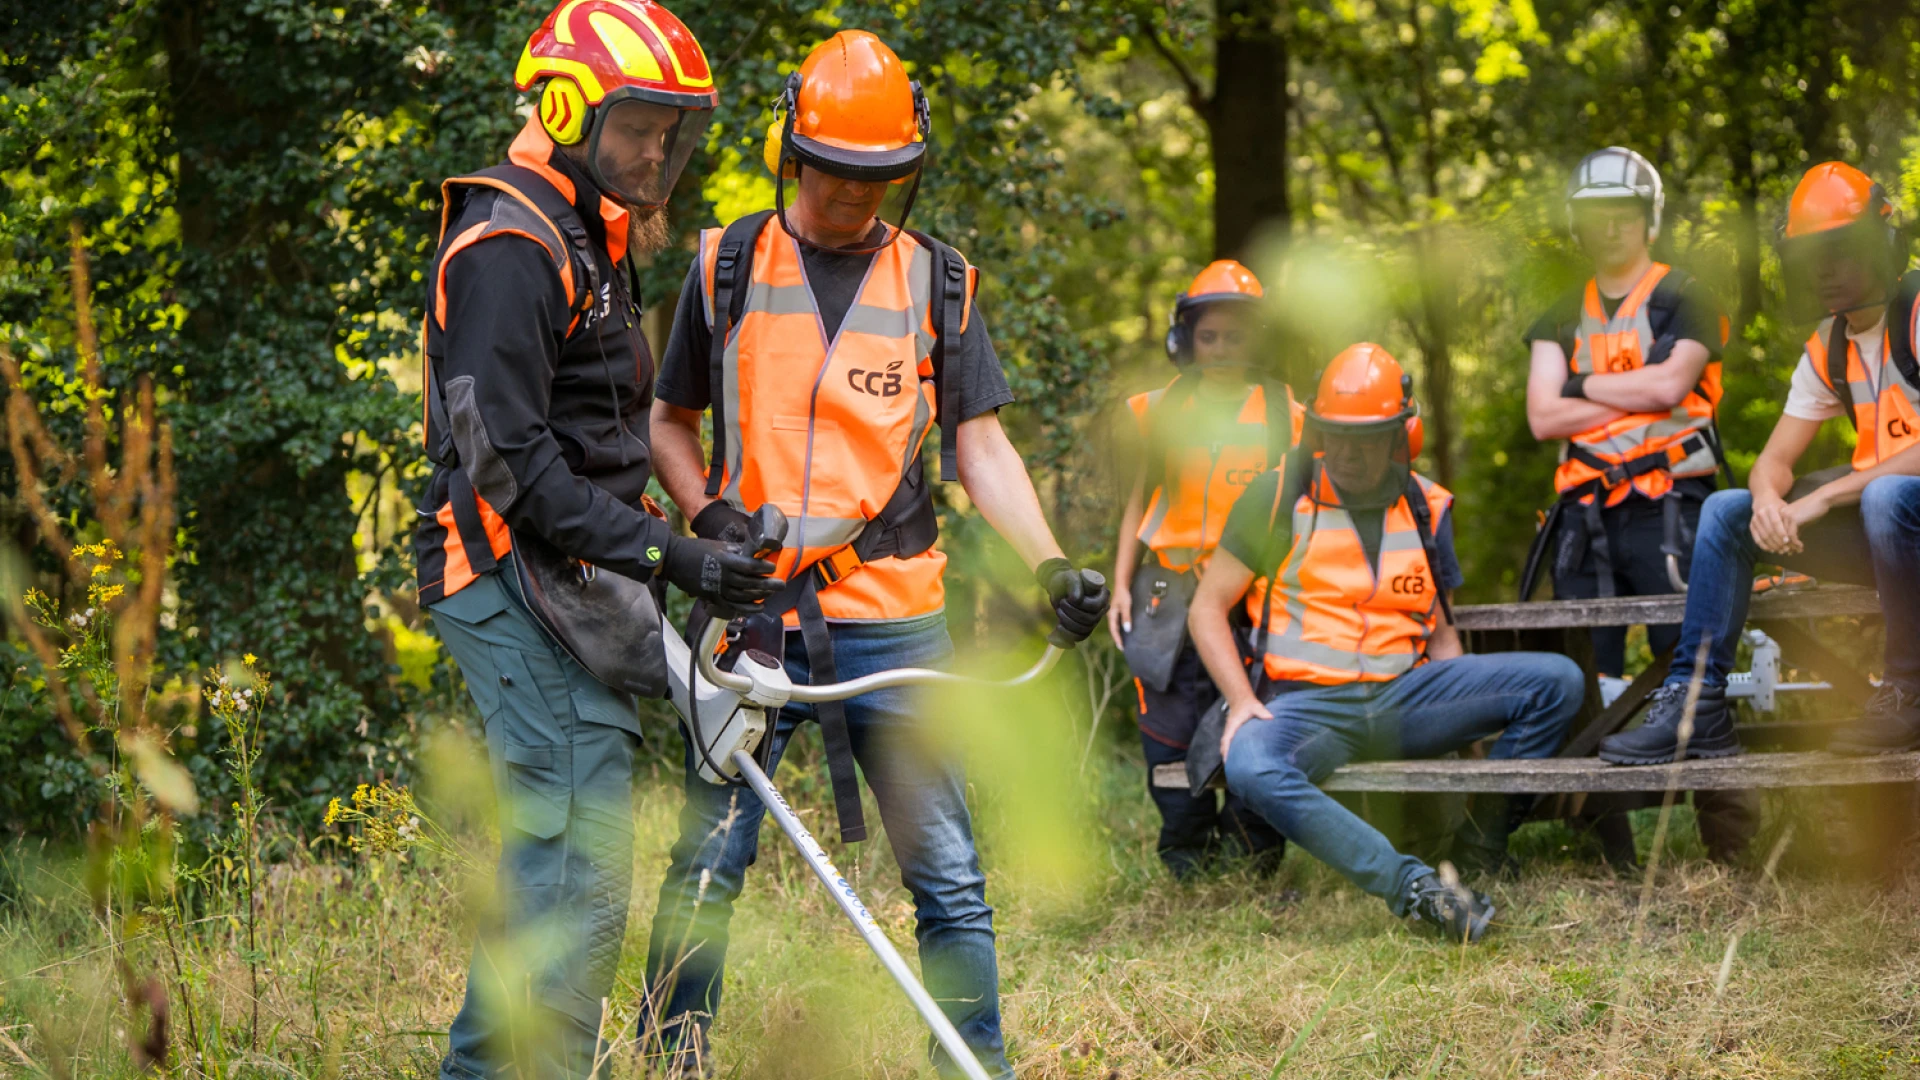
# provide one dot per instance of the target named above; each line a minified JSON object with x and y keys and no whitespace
{"x":1834,"y":271}
{"x":641,"y":143}
{"x":1367,"y":462}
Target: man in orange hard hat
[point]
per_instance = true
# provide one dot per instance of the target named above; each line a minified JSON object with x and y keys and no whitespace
{"x":1859,"y":523}
{"x":827,"y":343}
{"x":1207,"y":434}
{"x":1626,"y":370}
{"x":536,"y":543}
{"x":1345,"y":558}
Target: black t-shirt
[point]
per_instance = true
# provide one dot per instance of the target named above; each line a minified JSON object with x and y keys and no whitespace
{"x":1249,"y":539}
{"x":972,"y":369}
{"x":1681,"y":305}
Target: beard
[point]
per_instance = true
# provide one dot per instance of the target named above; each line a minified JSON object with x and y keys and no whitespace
{"x":648,"y":230}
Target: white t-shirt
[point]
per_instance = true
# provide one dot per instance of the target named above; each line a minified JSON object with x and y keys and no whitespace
{"x":1808,"y":397}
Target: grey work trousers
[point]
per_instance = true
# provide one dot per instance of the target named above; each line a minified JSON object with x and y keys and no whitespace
{"x":561,"y":746}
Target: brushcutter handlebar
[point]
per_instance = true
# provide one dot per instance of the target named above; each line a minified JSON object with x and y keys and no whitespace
{"x":748,"y":684}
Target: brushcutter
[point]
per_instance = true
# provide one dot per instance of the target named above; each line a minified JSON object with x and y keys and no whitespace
{"x":726,"y":714}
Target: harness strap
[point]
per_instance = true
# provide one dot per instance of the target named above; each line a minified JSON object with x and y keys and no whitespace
{"x":1423,"y":524}
{"x":1601,"y":547}
{"x":832,"y":715}
{"x":947,"y":305}
{"x":732,"y":263}
{"x":1837,"y":347}
{"x":1613,"y":475}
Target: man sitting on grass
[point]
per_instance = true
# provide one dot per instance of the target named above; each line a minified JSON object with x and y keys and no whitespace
{"x":1358,"y":656}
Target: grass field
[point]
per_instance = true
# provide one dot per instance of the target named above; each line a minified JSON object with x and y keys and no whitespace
{"x":1110,"y":971}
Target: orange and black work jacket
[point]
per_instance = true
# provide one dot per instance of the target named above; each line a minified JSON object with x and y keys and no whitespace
{"x":829,"y":430}
{"x":1884,"y":404}
{"x":1641,"y":452}
{"x":1339,"y":617}
{"x":1205,"y":468}
{"x":537,"y":378}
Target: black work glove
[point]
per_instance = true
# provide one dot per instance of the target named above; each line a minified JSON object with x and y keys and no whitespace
{"x":731,"y":582}
{"x":1080,"y":600}
{"x":719,"y":521}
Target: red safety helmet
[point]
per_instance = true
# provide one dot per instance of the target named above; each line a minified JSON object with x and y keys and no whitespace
{"x":629,"y":80}
{"x":1224,"y":281}
{"x":1364,"y":391}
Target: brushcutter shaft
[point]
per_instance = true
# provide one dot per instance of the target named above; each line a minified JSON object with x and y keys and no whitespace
{"x":857,"y":912}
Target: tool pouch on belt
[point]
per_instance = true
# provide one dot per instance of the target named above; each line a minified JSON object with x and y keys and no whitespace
{"x":1160,"y":599}
{"x":609,"y":623}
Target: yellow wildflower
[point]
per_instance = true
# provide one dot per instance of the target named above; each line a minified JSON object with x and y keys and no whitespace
{"x":250,"y":659}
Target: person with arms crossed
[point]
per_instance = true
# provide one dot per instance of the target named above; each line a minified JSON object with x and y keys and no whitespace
{"x":1626,"y":370}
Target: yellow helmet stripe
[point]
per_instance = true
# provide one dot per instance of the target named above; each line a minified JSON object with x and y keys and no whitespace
{"x":563,"y":22}
{"x":679,"y":71}
{"x":631,"y":53}
{"x":532,"y":67}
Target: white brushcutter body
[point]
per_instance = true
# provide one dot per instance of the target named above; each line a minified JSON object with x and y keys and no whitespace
{"x":726,"y":714}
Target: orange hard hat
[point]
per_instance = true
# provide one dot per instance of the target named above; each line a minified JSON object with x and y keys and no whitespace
{"x":851,"y":111}
{"x":1834,"y":195}
{"x":1223,"y":281}
{"x":1364,"y":389}
{"x":626,"y":58}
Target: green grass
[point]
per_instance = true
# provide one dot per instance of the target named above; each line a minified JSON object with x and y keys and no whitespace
{"x":1112,"y":971}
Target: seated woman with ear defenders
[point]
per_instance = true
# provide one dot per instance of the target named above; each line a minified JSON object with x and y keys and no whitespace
{"x":1355,"y":652}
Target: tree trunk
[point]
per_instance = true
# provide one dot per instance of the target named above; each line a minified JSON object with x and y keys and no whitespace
{"x":1247,"y":121}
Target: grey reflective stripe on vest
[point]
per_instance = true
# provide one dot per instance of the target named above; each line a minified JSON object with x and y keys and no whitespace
{"x":762,"y":298}
{"x":1291,"y":644}
{"x":1624,"y":445}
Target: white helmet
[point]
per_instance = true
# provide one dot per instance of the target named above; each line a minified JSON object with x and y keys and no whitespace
{"x":1618,"y":173}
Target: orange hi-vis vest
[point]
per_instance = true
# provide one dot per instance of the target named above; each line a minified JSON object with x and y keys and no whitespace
{"x":1619,"y":457}
{"x":1204,"y":473}
{"x":1886,"y":407}
{"x":827,"y":431}
{"x":1336,"y":620}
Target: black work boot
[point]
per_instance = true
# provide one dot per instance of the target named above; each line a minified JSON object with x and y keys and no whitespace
{"x":1480,"y":847}
{"x":1459,"y":914}
{"x":1656,"y":741}
{"x":1890,"y":725}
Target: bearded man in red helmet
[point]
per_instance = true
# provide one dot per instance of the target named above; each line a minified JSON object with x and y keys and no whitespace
{"x":536,"y":545}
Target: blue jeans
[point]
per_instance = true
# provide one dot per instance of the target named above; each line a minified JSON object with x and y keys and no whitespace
{"x":1275,"y":764}
{"x":561,"y":746}
{"x":1876,"y":543}
{"x":923,"y":805}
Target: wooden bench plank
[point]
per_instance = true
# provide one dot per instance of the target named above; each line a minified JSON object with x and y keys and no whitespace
{"x":1549,"y":775}
{"x":1821,"y":602}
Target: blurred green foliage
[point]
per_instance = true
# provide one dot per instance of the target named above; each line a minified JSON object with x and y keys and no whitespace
{"x":259,"y":183}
